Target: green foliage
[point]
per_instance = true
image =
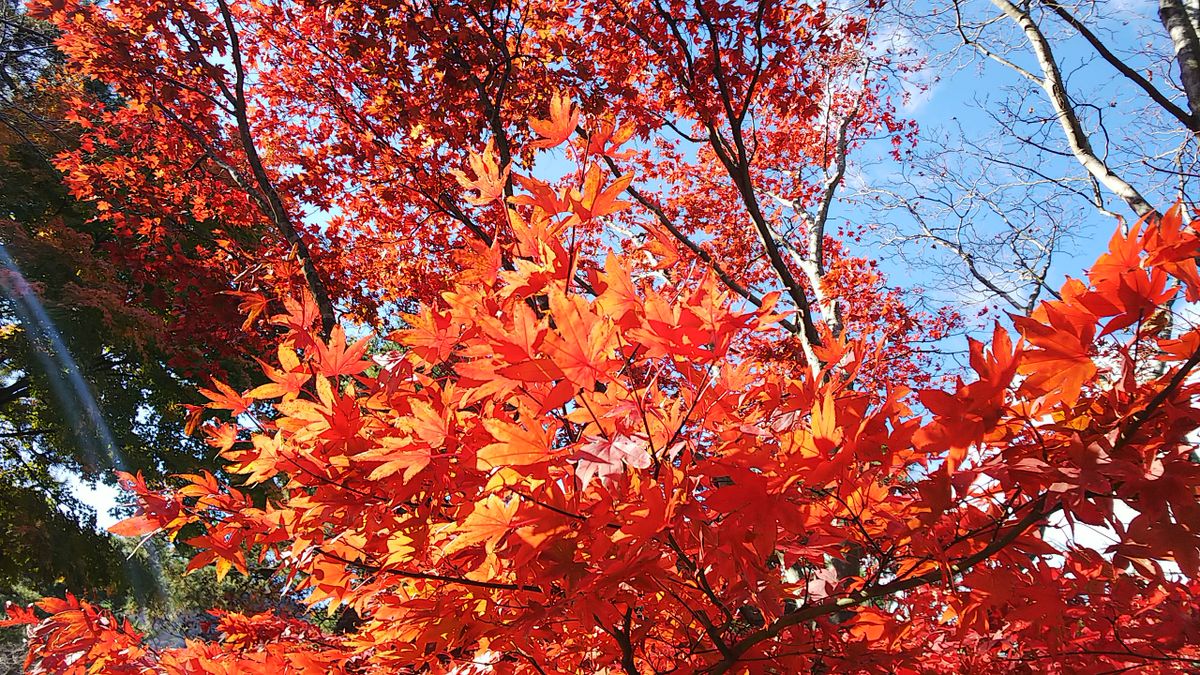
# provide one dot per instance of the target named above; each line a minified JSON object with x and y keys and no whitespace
{"x":126,"y":357}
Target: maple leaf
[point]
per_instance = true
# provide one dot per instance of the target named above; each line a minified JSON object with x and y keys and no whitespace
{"x":822,"y":583}
{"x":260,"y":463}
{"x":433,"y":336}
{"x":1173,"y":247}
{"x":135,"y":526}
{"x":564,"y":119}
{"x":582,"y":347}
{"x":869,"y":624}
{"x":489,"y":521}
{"x":1061,"y":337}
{"x":17,"y":615}
{"x":252,"y":305}
{"x":286,"y":383}
{"x":301,"y":314}
{"x":608,"y":138}
{"x":515,"y":445}
{"x":490,"y":178}
{"x":596,"y":200}
{"x":335,"y":358}
{"x":226,"y":398}
{"x":397,"y":455}
{"x":605,"y":458}
{"x":221,"y":436}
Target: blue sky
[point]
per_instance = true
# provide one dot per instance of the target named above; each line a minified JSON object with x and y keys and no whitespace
{"x":955,"y":106}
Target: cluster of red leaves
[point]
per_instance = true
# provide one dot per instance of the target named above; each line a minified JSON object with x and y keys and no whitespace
{"x":78,"y":637}
{"x":592,"y":457}
{"x":546,"y":480}
{"x":365,"y":112}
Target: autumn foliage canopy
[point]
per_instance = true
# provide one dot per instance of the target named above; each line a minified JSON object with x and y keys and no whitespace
{"x":638,"y":409}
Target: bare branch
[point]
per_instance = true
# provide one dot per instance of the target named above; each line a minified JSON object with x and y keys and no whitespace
{"x":1191,"y":121}
{"x":1077,"y":138}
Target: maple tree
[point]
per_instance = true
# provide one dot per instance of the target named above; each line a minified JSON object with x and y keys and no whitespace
{"x":645,"y":413}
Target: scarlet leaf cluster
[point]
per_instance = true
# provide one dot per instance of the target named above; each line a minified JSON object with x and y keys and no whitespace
{"x":707,"y":446}
{"x":612,"y":481}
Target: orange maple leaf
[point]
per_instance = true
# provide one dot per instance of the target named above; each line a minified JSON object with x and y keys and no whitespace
{"x":491,"y":519}
{"x":226,"y":398}
{"x":564,"y":119}
{"x":490,"y":178}
{"x":335,"y":358}
{"x":514,"y":446}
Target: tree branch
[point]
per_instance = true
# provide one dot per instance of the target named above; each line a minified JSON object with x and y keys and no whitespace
{"x":409,"y":574}
{"x":697,"y":250}
{"x":1179,"y":26}
{"x":1052,"y":83}
{"x":266,"y":194}
{"x":1191,"y":121}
